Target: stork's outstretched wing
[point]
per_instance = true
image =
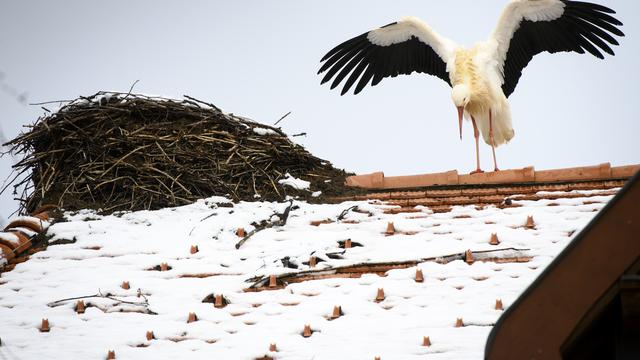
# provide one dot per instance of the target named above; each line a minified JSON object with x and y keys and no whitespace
{"x":530,"y":27}
{"x":399,"y":48}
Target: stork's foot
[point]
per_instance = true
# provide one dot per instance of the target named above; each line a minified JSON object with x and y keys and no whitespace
{"x":477,"y":171}
{"x":496,"y":169}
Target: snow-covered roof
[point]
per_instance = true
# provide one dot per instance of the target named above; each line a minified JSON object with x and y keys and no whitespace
{"x":180,"y":261}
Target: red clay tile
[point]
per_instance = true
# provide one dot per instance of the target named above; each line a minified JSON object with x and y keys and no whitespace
{"x":80,"y":307}
{"x":479,"y":192}
{"x":369,"y":181}
{"x":44,"y":216}
{"x":426,"y":341}
{"x":321,"y":222}
{"x":337,"y":312}
{"x":219,"y":302}
{"x":440,"y":209}
{"x":23,"y":242}
{"x":530,"y":224}
{"x":510,"y":190}
{"x":44,"y":327}
{"x":273,"y":281}
{"x":624,"y":171}
{"x":390,"y":229}
{"x":468,"y":257}
{"x":45,"y":208}
{"x":307,"y":331}
{"x":602,"y":171}
{"x":443,"y":193}
{"x":6,"y":252}
{"x":192,"y":318}
{"x":402,"y":210}
{"x":499,"y":177}
{"x":30,"y":223}
{"x":494,"y":239}
{"x":414,"y":181}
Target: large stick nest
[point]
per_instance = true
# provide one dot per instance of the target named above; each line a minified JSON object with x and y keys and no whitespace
{"x":115,"y":151}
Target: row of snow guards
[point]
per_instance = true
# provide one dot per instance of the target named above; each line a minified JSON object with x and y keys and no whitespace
{"x":17,"y":239}
{"x":528,"y":175}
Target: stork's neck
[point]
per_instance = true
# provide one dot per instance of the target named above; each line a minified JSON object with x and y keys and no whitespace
{"x":466,"y":72}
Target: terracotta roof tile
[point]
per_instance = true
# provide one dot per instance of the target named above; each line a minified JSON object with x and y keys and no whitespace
{"x":441,"y":265}
{"x":515,"y":176}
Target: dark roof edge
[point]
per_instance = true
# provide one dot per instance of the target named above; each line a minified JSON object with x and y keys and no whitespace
{"x":557,"y":261}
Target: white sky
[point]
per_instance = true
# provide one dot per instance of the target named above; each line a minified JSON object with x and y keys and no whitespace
{"x":259,"y":59}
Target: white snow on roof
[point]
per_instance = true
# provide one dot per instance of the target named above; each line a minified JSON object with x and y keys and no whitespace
{"x":10,"y":237}
{"x":295,"y":183}
{"x":264,"y":131}
{"x":111,"y":249}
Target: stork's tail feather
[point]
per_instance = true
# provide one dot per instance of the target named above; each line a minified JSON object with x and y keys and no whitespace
{"x":502,"y":128}
{"x":503,"y":131}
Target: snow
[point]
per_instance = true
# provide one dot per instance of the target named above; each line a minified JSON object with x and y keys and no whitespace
{"x":295,"y":183}
{"x":264,"y":131}
{"x":107,"y":250}
{"x":10,"y":237}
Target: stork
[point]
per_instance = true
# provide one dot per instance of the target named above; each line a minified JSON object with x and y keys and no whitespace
{"x":484,"y":76}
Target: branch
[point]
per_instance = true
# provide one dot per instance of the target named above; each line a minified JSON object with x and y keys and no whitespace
{"x":506,"y":255}
{"x":100,"y":295}
{"x":345,"y":212}
{"x":282,"y":220}
{"x":282,"y":118}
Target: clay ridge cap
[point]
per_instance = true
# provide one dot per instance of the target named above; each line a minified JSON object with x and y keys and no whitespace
{"x":527,"y":175}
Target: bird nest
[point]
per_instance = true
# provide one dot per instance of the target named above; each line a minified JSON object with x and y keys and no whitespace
{"x":116,"y":151}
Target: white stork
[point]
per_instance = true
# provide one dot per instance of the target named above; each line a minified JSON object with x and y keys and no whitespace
{"x":484,"y":76}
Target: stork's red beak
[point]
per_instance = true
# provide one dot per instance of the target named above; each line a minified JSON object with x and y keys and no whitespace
{"x":460,"y":116}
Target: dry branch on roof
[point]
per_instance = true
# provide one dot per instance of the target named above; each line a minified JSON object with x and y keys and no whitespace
{"x":116,"y":151}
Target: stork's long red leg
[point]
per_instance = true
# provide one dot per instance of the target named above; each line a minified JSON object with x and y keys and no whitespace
{"x":493,"y":144}
{"x":476,"y":134}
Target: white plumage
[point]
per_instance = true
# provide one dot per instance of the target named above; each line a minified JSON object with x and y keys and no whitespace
{"x":484,"y":76}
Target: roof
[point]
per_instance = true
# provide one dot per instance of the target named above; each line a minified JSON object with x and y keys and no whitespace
{"x":181,"y":261}
{"x":574,"y":291}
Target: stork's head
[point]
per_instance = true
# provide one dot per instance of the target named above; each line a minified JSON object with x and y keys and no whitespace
{"x":461,"y":96}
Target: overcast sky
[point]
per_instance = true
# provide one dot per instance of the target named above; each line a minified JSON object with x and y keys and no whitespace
{"x":259,"y":59}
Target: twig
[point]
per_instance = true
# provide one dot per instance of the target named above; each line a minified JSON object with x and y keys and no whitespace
{"x":130,"y":89}
{"x":345,"y":212}
{"x":51,"y":102}
{"x":282,"y":220}
{"x":282,"y":118}
{"x":362,"y":268}
{"x":99,"y":295}
{"x":202,"y":102}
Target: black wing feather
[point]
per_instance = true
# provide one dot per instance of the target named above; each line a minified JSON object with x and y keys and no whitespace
{"x":364,"y":62}
{"x":583,"y":27}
